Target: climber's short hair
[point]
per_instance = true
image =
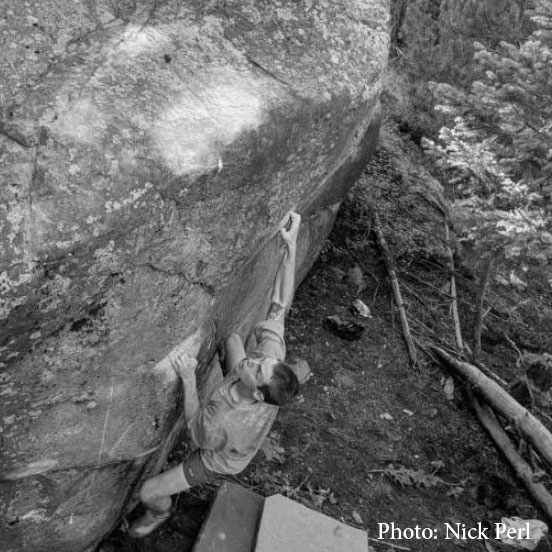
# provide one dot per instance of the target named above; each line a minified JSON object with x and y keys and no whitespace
{"x":283,"y":386}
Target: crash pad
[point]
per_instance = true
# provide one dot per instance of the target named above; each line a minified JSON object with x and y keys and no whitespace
{"x":287,"y":526}
{"x":232,"y":522}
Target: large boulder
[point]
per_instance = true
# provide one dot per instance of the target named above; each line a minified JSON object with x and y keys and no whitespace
{"x":149,"y":151}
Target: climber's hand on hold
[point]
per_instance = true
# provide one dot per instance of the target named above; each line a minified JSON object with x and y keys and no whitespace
{"x":289,"y":235}
{"x":183,"y":365}
{"x":284,"y":282}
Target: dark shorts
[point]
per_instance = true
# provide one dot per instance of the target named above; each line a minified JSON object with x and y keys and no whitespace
{"x":195,"y":471}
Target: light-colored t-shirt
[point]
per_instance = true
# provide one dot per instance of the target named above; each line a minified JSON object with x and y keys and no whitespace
{"x":229,"y":433}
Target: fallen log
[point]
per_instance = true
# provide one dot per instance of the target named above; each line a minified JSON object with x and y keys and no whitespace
{"x":489,"y":421}
{"x":488,"y":372}
{"x":390,"y":265}
{"x":424,"y":346}
{"x":502,"y":402}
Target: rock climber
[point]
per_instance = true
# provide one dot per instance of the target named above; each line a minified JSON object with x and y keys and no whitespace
{"x":228,"y":430}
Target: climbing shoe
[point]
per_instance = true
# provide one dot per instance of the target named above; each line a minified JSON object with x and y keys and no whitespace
{"x":147,"y":523}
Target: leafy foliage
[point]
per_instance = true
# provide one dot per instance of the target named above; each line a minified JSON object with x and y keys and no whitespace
{"x":433,"y":39}
{"x":496,"y":150}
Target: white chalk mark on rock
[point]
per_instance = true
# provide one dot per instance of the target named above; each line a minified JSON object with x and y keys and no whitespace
{"x":120,"y":439}
{"x":106,"y":420}
{"x":191,"y":131}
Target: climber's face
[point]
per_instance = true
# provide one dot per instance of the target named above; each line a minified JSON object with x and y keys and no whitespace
{"x":255,"y":373}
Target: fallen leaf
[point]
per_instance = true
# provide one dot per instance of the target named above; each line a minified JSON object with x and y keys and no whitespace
{"x":356,"y":277}
{"x":386,"y":416}
{"x":445,"y":288}
{"x":357,"y":517}
{"x":522,"y":534}
{"x":448,"y":389}
{"x":361,"y":309}
{"x":518,"y":282}
{"x":338,"y":273}
{"x":272,"y":450}
{"x":455,"y":492}
{"x":406,"y":477}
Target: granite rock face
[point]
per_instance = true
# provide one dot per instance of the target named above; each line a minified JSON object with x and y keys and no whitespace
{"x":149,"y":150}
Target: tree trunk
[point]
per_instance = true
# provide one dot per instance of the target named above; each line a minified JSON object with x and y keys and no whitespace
{"x":398,"y":14}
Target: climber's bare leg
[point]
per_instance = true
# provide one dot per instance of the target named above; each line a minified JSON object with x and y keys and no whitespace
{"x":157,"y":490}
{"x":156,"y":496}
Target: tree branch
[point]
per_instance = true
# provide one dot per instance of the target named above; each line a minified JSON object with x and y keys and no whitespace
{"x":525,"y":473}
{"x":502,"y":402}
{"x":396,"y":290}
{"x":479,"y":302}
{"x":453,"y":294}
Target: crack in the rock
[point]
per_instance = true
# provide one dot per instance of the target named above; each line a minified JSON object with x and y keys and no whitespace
{"x":150,"y":15}
{"x":16,"y":476}
{"x":106,"y":57}
{"x":206,"y":287}
{"x":265,"y":70}
{"x":30,"y":234}
{"x":15,"y":136}
{"x":54,"y":65}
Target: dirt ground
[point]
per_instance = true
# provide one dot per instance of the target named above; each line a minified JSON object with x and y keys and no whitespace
{"x":371,"y":441}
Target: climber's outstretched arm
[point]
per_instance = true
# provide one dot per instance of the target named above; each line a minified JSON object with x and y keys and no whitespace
{"x":284,"y":283}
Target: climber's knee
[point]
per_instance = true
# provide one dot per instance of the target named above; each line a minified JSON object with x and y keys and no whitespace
{"x":156,"y":491}
{"x":149,"y":492}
